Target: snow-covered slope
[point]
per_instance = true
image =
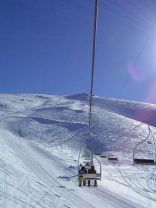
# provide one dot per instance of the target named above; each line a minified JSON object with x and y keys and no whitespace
{"x":41,"y":136}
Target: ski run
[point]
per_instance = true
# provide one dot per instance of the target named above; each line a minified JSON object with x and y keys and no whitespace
{"x":40,"y":139}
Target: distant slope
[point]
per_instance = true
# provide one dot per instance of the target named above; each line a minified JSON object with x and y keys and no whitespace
{"x":63,"y":120}
{"x":41,"y":137}
{"x":144,"y":112}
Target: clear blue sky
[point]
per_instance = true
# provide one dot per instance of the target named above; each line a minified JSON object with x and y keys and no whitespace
{"x":46,"y":45}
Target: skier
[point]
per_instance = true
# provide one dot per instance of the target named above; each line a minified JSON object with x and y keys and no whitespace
{"x":87,"y":166}
{"x":92,"y":171}
{"x":81,"y":172}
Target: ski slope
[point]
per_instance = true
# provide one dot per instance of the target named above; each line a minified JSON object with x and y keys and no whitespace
{"x":41,"y":136}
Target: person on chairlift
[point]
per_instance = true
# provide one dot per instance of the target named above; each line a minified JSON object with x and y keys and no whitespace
{"x":87,"y":165}
{"x":82,"y":171}
{"x":92,"y":171}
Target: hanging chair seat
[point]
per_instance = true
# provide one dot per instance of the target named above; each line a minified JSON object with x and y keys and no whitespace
{"x":144,"y":161}
{"x":113,"y":158}
{"x":92,"y":176}
{"x":103,"y":156}
{"x":144,"y":152}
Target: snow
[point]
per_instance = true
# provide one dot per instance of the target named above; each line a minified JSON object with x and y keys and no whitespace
{"x":40,"y":139}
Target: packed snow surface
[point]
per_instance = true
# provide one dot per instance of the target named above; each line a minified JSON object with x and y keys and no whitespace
{"x":41,"y":137}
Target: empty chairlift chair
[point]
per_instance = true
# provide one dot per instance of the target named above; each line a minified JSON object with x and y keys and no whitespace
{"x":144,"y":151}
{"x":112,"y":157}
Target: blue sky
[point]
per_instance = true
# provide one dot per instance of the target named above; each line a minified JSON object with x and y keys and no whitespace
{"x":46,"y":47}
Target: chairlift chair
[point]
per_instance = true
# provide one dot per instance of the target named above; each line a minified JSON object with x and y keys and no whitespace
{"x":112,"y":157}
{"x":103,"y":156}
{"x":144,"y":156}
{"x":145,"y":161}
{"x":98,"y":154}
{"x":82,"y":160}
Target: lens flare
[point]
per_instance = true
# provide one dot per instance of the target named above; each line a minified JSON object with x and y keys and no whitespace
{"x":135,"y":73}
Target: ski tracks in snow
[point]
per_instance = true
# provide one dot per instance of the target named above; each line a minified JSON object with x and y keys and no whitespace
{"x":142,"y":181}
{"x":55,"y":193}
{"x":43,"y":170}
{"x":112,"y":199}
{"x":24,"y":190}
{"x":5,"y":191}
{"x":42,"y":165}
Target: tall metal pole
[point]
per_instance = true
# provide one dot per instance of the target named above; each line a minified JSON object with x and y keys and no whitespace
{"x":93,"y":64}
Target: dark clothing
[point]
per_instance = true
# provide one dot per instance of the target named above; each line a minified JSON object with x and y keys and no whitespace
{"x":82,"y":170}
{"x":92,"y":170}
{"x":95,"y":183}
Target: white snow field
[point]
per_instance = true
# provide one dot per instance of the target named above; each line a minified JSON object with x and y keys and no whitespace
{"x":40,"y":139}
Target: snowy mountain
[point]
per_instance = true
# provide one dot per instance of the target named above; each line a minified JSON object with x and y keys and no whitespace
{"x":40,"y":139}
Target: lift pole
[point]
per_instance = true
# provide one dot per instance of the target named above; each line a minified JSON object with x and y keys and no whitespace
{"x":93,"y":64}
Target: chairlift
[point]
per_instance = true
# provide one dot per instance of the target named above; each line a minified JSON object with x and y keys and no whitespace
{"x":103,"y":156}
{"x":88,"y":162}
{"x":87,"y":158}
{"x":98,"y":154}
{"x":112,"y":157}
{"x":145,"y":161}
{"x":144,"y":152}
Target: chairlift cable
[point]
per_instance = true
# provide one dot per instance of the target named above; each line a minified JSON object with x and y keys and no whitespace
{"x":89,"y":145}
{"x":83,"y":130}
{"x":136,"y":126}
{"x":93,"y":64}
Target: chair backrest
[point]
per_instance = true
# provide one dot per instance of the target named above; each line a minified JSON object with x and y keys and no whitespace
{"x":89,"y":176}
